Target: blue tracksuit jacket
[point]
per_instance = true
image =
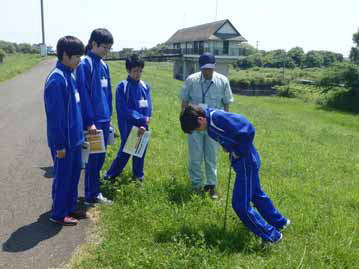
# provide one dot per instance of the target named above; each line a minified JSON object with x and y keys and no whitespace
{"x":95,"y":89}
{"x":130,"y":112}
{"x":63,"y":111}
{"x":234,"y":132}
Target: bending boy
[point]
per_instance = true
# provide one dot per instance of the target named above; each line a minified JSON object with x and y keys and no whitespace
{"x":236,"y":134}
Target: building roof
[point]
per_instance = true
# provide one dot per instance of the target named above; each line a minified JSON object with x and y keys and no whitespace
{"x":204,"y":32}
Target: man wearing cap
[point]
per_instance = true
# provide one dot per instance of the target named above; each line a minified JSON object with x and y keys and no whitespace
{"x":206,"y":88}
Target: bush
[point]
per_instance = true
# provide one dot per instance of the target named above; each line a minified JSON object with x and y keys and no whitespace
{"x":2,"y":55}
{"x":308,"y":93}
{"x":340,"y":87}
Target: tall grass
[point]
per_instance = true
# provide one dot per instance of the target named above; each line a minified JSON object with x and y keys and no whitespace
{"x":310,"y":170}
{"x":15,"y":64}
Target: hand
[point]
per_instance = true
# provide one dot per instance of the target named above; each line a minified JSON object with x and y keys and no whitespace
{"x":92,"y":129}
{"x":60,"y":154}
{"x":148,"y":120}
{"x":141,"y":131}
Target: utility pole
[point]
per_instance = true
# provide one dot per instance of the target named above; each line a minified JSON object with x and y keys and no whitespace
{"x":216,"y":10}
{"x":43,"y":49}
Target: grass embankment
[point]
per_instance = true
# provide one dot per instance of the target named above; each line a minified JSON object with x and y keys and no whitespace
{"x":310,"y":170}
{"x":15,"y":64}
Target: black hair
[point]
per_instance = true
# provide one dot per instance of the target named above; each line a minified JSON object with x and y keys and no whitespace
{"x":71,"y":45}
{"x":100,"y":36}
{"x":189,"y":118}
{"x":134,"y":61}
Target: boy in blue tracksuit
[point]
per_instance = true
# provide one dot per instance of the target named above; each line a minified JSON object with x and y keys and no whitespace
{"x":236,"y":134}
{"x":134,"y":108}
{"x":94,"y":82}
{"x":64,"y":130}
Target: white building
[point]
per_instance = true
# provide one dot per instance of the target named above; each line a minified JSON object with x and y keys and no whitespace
{"x":220,"y":38}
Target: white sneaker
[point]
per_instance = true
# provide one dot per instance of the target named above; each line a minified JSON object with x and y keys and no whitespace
{"x":100,"y":199}
{"x":286,"y":225}
{"x":103,"y":200}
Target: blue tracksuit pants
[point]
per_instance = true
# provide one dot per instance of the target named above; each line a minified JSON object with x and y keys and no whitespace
{"x":267,"y":220}
{"x":94,"y":166}
{"x":121,"y":160}
{"x":66,"y":179}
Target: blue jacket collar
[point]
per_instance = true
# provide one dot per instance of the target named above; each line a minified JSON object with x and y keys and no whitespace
{"x":63,"y":67}
{"x":132,"y":81}
{"x":94,"y":56}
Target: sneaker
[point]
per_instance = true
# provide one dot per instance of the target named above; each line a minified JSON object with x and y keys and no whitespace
{"x":100,"y":199}
{"x":66,"y":221}
{"x":266,"y":243}
{"x":212,"y":191}
{"x":109,"y":178}
{"x":278,"y":240}
{"x":286,"y":225}
{"x":213,"y":194}
{"x":78,"y":214}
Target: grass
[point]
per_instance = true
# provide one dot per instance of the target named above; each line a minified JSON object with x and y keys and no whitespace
{"x":15,"y":64}
{"x":310,"y":167}
{"x":258,"y":73}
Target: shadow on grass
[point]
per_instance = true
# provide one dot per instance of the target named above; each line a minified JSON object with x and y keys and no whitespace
{"x":29,"y":236}
{"x":212,"y":236}
{"x":179,"y":193}
{"x":109,"y":187}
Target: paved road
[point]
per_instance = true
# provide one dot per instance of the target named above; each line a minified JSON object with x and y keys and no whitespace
{"x":27,"y":238}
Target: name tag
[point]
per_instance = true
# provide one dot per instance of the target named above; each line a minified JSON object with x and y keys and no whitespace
{"x":77,"y":96}
{"x":203,"y":106}
{"x":143,"y":103}
{"x":104,"y":83}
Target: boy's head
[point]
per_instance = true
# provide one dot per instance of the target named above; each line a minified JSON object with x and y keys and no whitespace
{"x":134,"y":66}
{"x":193,"y":118}
{"x":69,"y":50}
{"x":100,"y":43}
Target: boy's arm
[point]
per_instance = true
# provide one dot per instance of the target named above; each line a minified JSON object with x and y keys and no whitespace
{"x":109,"y":90}
{"x":55,"y":107}
{"x":83,"y":78}
{"x":124,"y":109}
{"x":228,"y":96}
{"x":149,"y":99}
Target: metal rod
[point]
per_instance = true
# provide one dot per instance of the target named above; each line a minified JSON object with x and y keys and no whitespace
{"x":228,"y":186}
{"x":42,"y":22}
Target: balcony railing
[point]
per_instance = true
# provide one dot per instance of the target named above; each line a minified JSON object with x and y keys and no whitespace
{"x":198,"y":51}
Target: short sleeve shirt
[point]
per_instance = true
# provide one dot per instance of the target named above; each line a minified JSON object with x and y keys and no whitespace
{"x":215,"y":93}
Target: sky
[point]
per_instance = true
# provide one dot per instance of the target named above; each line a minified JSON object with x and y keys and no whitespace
{"x":274,"y":24}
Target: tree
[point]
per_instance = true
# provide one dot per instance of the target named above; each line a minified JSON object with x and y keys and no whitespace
{"x":8,"y":47}
{"x":126,"y":52}
{"x":297,"y":55}
{"x":255,"y":60}
{"x":354,"y":52}
{"x":25,"y":48}
{"x":354,"y":55}
{"x":246,"y":49}
{"x":313,"y":59}
{"x":2,"y":55}
{"x":329,"y":57}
